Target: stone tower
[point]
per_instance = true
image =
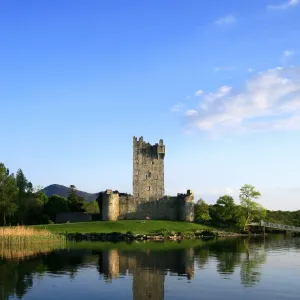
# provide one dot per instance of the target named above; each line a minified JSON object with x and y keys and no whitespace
{"x":148,"y":170}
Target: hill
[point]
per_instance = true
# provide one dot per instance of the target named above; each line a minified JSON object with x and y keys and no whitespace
{"x":61,"y":190}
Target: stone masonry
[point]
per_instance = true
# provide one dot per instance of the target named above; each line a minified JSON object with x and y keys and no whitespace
{"x":148,"y":170}
{"x":148,"y":199}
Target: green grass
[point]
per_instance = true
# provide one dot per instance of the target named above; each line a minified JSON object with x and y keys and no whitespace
{"x":134,"y":226}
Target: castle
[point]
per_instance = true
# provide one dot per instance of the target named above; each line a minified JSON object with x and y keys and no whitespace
{"x":148,"y":200}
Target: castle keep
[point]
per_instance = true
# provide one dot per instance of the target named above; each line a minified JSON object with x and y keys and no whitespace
{"x":148,"y":199}
{"x":148,"y":170}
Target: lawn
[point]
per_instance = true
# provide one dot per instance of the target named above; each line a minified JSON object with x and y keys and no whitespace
{"x":134,"y":226}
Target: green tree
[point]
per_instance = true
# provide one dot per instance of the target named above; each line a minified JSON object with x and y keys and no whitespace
{"x":252,"y":210}
{"x":225,"y":209}
{"x":22,"y":182}
{"x":29,"y":187}
{"x":75,"y":201}
{"x":8,"y":193}
{"x":91,"y":207}
{"x":31,"y":210}
{"x":54,"y":205}
{"x":201,"y":209}
{"x":26,"y":200}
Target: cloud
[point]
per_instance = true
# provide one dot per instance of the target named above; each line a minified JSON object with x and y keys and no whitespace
{"x":285,"y":5}
{"x":268,"y":101}
{"x":178,"y":107}
{"x":229,"y":19}
{"x":288,"y":53}
{"x":223,"y":68}
{"x":191,"y":112}
{"x":250,"y":70}
{"x":198,"y":93}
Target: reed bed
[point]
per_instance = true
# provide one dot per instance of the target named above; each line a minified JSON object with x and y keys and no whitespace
{"x":21,"y":235}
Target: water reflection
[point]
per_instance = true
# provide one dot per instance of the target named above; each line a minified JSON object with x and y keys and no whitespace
{"x":147,"y":269}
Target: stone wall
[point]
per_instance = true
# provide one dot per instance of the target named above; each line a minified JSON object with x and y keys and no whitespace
{"x":73,"y":217}
{"x":148,"y":170}
{"x":166,"y":208}
{"x":117,"y":206}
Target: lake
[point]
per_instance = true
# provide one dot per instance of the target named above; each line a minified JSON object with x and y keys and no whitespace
{"x":255,"y":268}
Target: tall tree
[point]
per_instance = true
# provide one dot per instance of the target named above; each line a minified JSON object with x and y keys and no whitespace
{"x":21,"y":181}
{"x":75,"y":201}
{"x":26,"y":200}
{"x":8,"y":193}
{"x":252,"y":210}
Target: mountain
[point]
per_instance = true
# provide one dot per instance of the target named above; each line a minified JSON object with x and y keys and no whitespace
{"x":61,"y":190}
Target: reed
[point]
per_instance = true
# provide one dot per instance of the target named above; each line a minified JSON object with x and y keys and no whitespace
{"x":21,"y":235}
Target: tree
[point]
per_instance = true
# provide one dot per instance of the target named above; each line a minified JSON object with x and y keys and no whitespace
{"x":8,"y":193}
{"x":252,"y":210}
{"x":54,"y":205}
{"x":75,"y":201}
{"x":91,"y":207}
{"x":201,"y":211}
{"x":225,"y":208}
{"x":29,"y":187}
{"x":21,"y":181}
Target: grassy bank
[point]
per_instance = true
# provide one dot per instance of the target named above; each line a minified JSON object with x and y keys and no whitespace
{"x":133,"y":226}
{"x":21,"y":235}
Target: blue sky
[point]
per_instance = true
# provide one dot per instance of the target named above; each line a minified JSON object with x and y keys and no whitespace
{"x":219,"y":81}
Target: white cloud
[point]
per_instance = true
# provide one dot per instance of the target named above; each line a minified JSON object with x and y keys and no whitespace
{"x":285,"y":5}
{"x":177,"y":107}
{"x":229,"y":19}
{"x":250,"y":70}
{"x":269,"y":101}
{"x":191,"y":112}
{"x":288,"y":53}
{"x":198,"y":93}
{"x":223,"y":68}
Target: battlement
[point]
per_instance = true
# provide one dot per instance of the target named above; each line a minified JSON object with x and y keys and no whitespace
{"x":145,"y":148}
{"x":110,"y":192}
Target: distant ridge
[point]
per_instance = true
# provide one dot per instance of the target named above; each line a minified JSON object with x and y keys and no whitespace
{"x":63,"y":191}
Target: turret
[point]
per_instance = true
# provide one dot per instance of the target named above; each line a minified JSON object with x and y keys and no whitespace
{"x":161,"y":149}
{"x":110,"y":206}
{"x":186,"y":204}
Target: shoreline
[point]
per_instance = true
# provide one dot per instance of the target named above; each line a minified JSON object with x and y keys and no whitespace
{"x":123,"y":237}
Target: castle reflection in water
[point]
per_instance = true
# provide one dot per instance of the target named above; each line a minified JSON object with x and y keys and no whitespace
{"x":148,"y":270}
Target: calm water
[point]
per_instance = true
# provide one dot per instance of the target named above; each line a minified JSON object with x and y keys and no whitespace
{"x":224,"y":269}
